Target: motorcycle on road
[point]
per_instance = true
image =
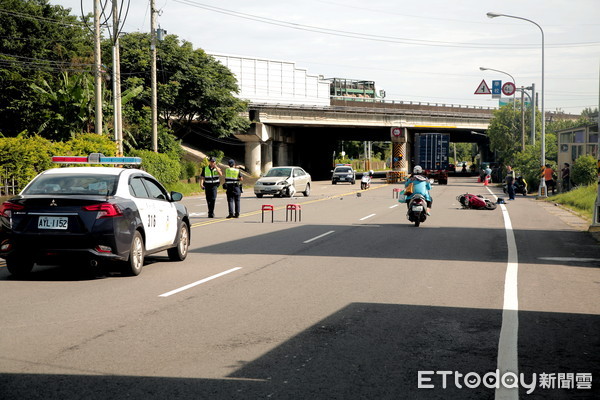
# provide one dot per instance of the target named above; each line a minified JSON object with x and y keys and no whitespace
{"x":417,"y":210}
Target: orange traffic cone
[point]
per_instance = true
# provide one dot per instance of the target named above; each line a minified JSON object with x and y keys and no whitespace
{"x":486,"y":181}
{"x":479,"y":179}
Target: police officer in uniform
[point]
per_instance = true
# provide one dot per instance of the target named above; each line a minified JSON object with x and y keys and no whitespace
{"x":210,"y":181}
{"x":233,"y":185}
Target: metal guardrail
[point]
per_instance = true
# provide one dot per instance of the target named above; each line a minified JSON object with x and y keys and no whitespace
{"x":407,"y":108}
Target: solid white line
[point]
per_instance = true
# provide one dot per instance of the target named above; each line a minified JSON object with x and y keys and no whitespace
{"x":318,"y":237}
{"x":367,"y":217}
{"x":191,"y":285}
{"x":508,"y":359}
{"x":395,"y":205}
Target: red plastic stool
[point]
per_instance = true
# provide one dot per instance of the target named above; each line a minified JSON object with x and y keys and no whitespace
{"x":267,"y":207}
{"x":296,"y":208}
{"x":396,"y":192}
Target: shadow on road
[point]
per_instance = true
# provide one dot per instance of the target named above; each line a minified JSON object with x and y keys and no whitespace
{"x":363,"y":351}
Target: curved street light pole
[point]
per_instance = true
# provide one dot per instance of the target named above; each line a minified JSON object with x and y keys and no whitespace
{"x":542,"y":191}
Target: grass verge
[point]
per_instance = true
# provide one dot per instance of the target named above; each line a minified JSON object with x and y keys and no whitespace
{"x":580,"y":200}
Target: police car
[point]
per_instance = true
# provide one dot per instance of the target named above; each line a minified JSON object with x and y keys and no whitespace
{"x":96,"y":214}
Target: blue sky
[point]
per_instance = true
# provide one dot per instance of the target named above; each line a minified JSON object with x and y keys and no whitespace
{"x":427,"y":51}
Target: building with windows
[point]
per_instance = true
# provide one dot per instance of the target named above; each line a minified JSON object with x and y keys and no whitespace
{"x":576,"y":142}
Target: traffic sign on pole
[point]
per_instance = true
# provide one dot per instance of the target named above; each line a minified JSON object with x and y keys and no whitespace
{"x":496,"y":89}
{"x":509,"y":88}
{"x":483,"y":88}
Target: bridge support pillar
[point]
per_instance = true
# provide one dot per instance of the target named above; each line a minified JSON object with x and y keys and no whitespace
{"x":267,"y":155}
{"x":399,"y":155}
{"x":252,"y":160}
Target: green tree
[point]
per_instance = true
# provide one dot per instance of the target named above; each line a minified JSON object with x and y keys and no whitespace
{"x":584,"y":170}
{"x":38,"y":41}
{"x":192,"y":86}
{"x":69,"y":106}
{"x":504,"y":133}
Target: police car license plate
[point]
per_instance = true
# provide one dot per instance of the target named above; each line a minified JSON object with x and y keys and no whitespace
{"x":417,"y":208}
{"x":53,"y":222}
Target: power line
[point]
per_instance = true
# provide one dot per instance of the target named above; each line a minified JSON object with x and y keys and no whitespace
{"x":51,"y":20}
{"x":371,"y":37}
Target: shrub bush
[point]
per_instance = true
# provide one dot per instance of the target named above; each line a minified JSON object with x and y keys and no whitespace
{"x":161,"y":166}
{"x":584,"y":170}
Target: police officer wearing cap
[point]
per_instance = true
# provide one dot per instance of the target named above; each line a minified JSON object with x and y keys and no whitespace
{"x":233,"y":186}
{"x":209,"y":182}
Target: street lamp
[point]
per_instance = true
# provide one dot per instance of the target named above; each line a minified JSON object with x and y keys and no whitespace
{"x":542,"y":191}
{"x":505,"y":73}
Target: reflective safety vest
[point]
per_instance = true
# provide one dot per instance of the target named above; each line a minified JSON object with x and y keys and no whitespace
{"x":232,"y":175}
{"x":211,"y":176}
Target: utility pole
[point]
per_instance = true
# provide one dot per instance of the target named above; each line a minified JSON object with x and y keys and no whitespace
{"x":522,"y":118}
{"x":117,"y":80}
{"x":595,"y":227}
{"x":533,"y":109}
{"x":153,"y":77}
{"x":97,"y":67}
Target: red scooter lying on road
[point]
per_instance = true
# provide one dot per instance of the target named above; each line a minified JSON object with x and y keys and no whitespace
{"x":475,"y":201}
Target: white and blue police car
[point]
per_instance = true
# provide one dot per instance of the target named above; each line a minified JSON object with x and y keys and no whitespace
{"x":92,"y":214}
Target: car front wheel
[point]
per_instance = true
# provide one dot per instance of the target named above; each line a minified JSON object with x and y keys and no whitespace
{"x":179,"y":252}
{"x":133,"y":266}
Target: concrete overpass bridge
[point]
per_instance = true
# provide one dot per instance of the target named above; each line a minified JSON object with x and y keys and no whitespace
{"x":308,"y":135}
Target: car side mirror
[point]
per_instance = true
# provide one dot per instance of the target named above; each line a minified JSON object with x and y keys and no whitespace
{"x":176,"y":196}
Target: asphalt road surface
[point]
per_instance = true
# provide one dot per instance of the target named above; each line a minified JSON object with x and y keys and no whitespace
{"x":350,"y":302}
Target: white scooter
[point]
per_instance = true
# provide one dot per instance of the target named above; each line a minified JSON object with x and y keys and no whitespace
{"x":365,"y":181}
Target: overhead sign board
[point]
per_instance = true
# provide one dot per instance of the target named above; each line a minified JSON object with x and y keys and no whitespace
{"x":483,"y":88}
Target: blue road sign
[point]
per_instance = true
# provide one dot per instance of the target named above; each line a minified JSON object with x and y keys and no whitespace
{"x":496,"y":87}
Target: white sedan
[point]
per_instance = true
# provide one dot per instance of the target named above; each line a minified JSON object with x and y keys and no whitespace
{"x":283,"y":181}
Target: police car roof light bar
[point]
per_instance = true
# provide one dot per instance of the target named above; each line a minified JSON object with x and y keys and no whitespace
{"x":95,"y":158}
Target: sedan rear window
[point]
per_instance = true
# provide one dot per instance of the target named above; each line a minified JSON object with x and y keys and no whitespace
{"x":79,"y":184}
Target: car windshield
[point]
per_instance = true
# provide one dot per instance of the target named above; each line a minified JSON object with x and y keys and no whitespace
{"x":343,"y":169}
{"x":80,"y":184}
{"x":279,"y":172}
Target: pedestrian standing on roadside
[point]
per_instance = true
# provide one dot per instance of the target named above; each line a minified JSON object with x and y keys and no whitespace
{"x":510,"y":182}
{"x":549,"y":178}
{"x":487,"y":174}
{"x":210,"y":180}
{"x":566,"y":178}
{"x":233,"y":187}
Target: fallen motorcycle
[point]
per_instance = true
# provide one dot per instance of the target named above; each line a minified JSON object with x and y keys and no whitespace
{"x":476,"y":202}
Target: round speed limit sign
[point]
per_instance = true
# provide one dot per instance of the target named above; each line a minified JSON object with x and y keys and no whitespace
{"x":508,"y":89}
{"x":396,"y":131}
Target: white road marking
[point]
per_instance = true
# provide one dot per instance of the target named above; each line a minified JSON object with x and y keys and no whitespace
{"x":367,"y":217}
{"x":191,"y":285}
{"x":508,"y":358}
{"x":199,"y":214}
{"x":569,"y":259}
{"x":318,"y":237}
{"x":395,"y":205}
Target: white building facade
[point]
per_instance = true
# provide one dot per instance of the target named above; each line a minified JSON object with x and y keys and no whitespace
{"x":275,"y":82}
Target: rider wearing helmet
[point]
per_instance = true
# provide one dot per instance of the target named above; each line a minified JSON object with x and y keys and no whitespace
{"x":421,"y":186}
